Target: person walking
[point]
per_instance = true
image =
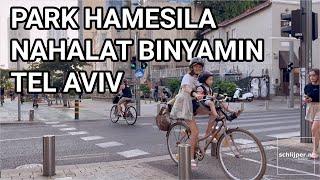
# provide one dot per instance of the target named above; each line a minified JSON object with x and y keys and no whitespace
{"x":156,"y":93}
{"x":311,"y":98}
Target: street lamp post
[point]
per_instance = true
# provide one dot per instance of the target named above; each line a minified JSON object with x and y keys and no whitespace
{"x":19,"y":95}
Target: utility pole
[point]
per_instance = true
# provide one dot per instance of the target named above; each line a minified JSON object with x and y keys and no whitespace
{"x":306,"y":63}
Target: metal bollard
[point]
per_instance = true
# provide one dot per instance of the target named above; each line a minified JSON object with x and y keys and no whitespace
{"x":242,"y":106}
{"x":266,"y":103}
{"x":184,"y":169}
{"x":214,"y":148}
{"x":158,"y":108}
{"x":31,"y":115}
{"x":49,"y":164}
{"x":76,"y":109}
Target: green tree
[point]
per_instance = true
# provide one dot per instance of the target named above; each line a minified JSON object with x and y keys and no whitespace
{"x":174,"y":85}
{"x":4,"y":79}
{"x":227,"y":87}
{"x":58,"y":71}
{"x":227,"y":9}
{"x":144,"y":89}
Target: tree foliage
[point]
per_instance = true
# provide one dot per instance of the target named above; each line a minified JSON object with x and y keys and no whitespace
{"x":4,"y":79}
{"x":227,"y":9}
{"x":58,"y":69}
{"x":174,"y":85}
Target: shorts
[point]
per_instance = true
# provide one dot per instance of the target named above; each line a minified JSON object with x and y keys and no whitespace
{"x":313,"y":111}
{"x":125,"y":99}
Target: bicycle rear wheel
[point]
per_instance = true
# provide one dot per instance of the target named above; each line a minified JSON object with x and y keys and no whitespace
{"x":178,"y":133}
{"x":131,"y":115}
{"x":241,"y":155}
{"x":114,"y":114}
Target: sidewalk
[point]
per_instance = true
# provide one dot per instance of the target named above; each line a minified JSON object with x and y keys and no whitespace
{"x":161,"y":167}
{"x":117,"y":170}
{"x":99,"y":110}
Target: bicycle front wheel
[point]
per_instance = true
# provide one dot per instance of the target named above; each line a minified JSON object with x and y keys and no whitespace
{"x":114,"y":114}
{"x":241,"y":155}
{"x":179,"y":133}
{"x":131,"y":115}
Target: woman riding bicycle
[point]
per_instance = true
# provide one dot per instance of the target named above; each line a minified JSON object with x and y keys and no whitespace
{"x":184,"y":107}
{"x":126,"y":96}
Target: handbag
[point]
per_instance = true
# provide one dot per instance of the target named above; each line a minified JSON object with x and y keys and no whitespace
{"x":162,"y":120}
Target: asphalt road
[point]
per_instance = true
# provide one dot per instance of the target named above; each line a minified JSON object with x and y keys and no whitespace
{"x":101,"y":140}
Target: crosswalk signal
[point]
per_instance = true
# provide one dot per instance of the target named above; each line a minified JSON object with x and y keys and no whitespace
{"x":290,"y":67}
{"x":133,"y":62}
{"x":144,"y":65}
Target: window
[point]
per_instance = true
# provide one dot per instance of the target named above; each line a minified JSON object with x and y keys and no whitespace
{"x":233,"y":33}
{"x":227,"y":35}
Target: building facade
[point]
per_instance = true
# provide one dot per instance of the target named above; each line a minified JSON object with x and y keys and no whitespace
{"x":264,"y":21}
{"x":19,"y":34}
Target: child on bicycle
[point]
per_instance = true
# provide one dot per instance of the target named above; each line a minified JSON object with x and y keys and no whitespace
{"x":209,"y":100}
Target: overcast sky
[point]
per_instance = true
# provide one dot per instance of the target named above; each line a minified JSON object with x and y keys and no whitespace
{"x":5,"y":12}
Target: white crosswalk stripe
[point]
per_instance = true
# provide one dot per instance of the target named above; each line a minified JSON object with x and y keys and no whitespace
{"x":60,"y":125}
{"x":51,"y":122}
{"x":243,"y":141}
{"x":78,"y":132}
{"x":132,"y":153}
{"x":109,"y":144}
{"x":91,"y":138}
{"x":285,"y":135}
{"x":275,"y":128}
{"x":68,"y":129}
{"x":284,"y":124}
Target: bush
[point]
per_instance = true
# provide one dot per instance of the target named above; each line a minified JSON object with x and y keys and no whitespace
{"x":144,"y":89}
{"x":174,"y":85}
{"x":226,"y":87}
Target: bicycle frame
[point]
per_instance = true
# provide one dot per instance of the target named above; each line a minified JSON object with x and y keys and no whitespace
{"x":222,"y":128}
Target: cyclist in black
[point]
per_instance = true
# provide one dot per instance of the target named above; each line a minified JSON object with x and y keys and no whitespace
{"x":126,"y":96}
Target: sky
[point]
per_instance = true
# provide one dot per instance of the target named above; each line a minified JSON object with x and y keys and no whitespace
{"x":5,"y":12}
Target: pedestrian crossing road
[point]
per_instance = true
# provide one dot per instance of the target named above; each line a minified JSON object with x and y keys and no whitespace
{"x":102,"y":140}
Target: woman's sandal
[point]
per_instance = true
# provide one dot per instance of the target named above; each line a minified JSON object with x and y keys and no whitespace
{"x":314,"y":157}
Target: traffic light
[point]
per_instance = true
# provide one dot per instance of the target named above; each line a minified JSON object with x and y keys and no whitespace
{"x":133,"y":62}
{"x":290,"y":67}
{"x":292,"y":24}
{"x":314,"y":26}
{"x":144,"y":65}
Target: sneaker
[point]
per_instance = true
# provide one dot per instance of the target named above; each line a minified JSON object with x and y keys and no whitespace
{"x":194,"y":164}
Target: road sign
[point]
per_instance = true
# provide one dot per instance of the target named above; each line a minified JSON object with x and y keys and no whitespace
{"x":139,"y":73}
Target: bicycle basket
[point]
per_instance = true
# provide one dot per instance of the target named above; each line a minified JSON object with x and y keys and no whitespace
{"x":162,"y":120}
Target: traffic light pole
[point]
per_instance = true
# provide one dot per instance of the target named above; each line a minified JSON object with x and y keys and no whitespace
{"x":306,"y":59}
{"x":137,"y":84}
{"x":291,"y":77}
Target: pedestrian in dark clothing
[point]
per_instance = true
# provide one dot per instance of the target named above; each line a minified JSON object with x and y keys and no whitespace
{"x":156,"y":93}
{"x":311,"y":99}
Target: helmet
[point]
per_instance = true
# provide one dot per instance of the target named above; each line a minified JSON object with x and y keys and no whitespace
{"x":204,"y":76}
{"x":196,"y":60}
